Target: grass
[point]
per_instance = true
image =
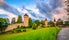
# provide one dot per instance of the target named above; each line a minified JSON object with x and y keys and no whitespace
{"x":39,"y":34}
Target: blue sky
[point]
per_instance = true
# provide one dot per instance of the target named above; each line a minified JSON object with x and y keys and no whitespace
{"x":17,"y":3}
{"x":45,"y":8}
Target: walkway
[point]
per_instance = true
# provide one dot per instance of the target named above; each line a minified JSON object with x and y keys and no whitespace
{"x":63,"y":34}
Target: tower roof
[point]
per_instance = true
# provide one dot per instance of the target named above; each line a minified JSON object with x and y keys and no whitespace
{"x":26,"y":15}
{"x":46,"y":20}
{"x":54,"y":20}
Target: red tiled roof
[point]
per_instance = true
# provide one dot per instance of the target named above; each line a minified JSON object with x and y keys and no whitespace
{"x":26,"y":15}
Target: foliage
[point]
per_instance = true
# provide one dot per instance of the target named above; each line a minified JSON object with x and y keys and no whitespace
{"x":19,"y":20}
{"x":30,"y":22}
{"x":24,"y":30}
{"x":67,"y":9}
{"x":8,"y":21}
{"x":43,"y":23}
{"x":34,"y":26}
{"x":19,"y":29}
{"x":39,"y":34}
{"x":66,"y":23}
{"x":37,"y":22}
{"x":59,"y":22}
{"x":3,"y":24}
{"x":51,"y":23}
{"x":13,"y":21}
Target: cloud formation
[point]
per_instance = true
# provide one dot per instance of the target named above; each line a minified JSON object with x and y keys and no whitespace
{"x":50,"y":8}
{"x":45,"y":9}
{"x":41,"y":9}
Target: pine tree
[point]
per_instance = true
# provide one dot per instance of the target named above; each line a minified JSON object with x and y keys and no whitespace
{"x":13,"y":21}
{"x":30,"y":22}
{"x":43,"y":23}
{"x":37,"y":22}
{"x":19,"y":20}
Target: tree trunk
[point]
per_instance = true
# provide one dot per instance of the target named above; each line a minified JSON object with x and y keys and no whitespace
{"x":1,"y":29}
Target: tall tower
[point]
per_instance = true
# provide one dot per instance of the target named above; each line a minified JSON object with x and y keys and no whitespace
{"x":46,"y":22}
{"x":26,"y":20}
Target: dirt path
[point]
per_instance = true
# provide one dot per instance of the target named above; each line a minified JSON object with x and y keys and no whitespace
{"x":63,"y":34}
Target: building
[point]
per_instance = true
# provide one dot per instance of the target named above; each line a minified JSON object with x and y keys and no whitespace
{"x":46,"y":22}
{"x":26,"y":20}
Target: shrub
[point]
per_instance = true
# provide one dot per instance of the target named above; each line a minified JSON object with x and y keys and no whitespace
{"x":66,"y":23}
{"x":13,"y":31}
{"x":34,"y":26}
{"x":18,"y":26}
{"x":24,"y":30}
{"x":18,"y":30}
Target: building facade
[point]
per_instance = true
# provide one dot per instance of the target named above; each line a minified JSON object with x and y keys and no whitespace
{"x":46,"y":22}
{"x":26,"y":20}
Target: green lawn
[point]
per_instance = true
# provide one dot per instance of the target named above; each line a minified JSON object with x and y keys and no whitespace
{"x":39,"y":34}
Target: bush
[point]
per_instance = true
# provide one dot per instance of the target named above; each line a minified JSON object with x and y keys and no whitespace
{"x":18,"y":26}
{"x":66,"y":23}
{"x":24,"y":30}
{"x":34,"y":26}
{"x":13,"y":31}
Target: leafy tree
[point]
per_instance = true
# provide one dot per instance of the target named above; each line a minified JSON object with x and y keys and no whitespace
{"x":67,"y":9}
{"x":37,"y":22}
{"x":8,"y":21}
{"x":34,"y":26}
{"x":51,"y":23}
{"x":30,"y":22}
{"x":43,"y":23}
{"x":59,"y":22}
{"x":19,"y":20}
{"x":66,"y":23}
{"x":13,"y":21}
{"x":3,"y":24}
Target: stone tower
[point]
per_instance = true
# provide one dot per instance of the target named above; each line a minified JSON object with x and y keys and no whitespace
{"x":26,"y":20}
{"x":46,"y":22}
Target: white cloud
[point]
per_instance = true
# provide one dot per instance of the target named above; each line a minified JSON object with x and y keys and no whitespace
{"x":33,"y":9}
{"x":10,"y":15}
{"x":61,"y":14}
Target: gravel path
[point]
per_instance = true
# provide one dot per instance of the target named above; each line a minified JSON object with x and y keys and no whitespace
{"x":63,"y":34}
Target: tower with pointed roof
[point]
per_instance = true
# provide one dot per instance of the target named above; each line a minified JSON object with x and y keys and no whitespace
{"x":26,"y":20}
{"x":46,"y":22}
{"x":54,"y":21}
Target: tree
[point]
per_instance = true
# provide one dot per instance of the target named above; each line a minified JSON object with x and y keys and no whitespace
{"x":51,"y":23}
{"x":3,"y":24}
{"x":67,"y":9}
{"x":66,"y":23}
{"x":13,"y":21}
{"x":37,"y":22}
{"x":8,"y":21}
{"x":34,"y":26}
{"x":59,"y":22}
{"x":19,"y":20}
{"x":43,"y":23}
{"x":30,"y":22}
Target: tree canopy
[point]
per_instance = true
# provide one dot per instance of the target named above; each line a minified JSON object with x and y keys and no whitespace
{"x":19,"y":20}
{"x":3,"y":24}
